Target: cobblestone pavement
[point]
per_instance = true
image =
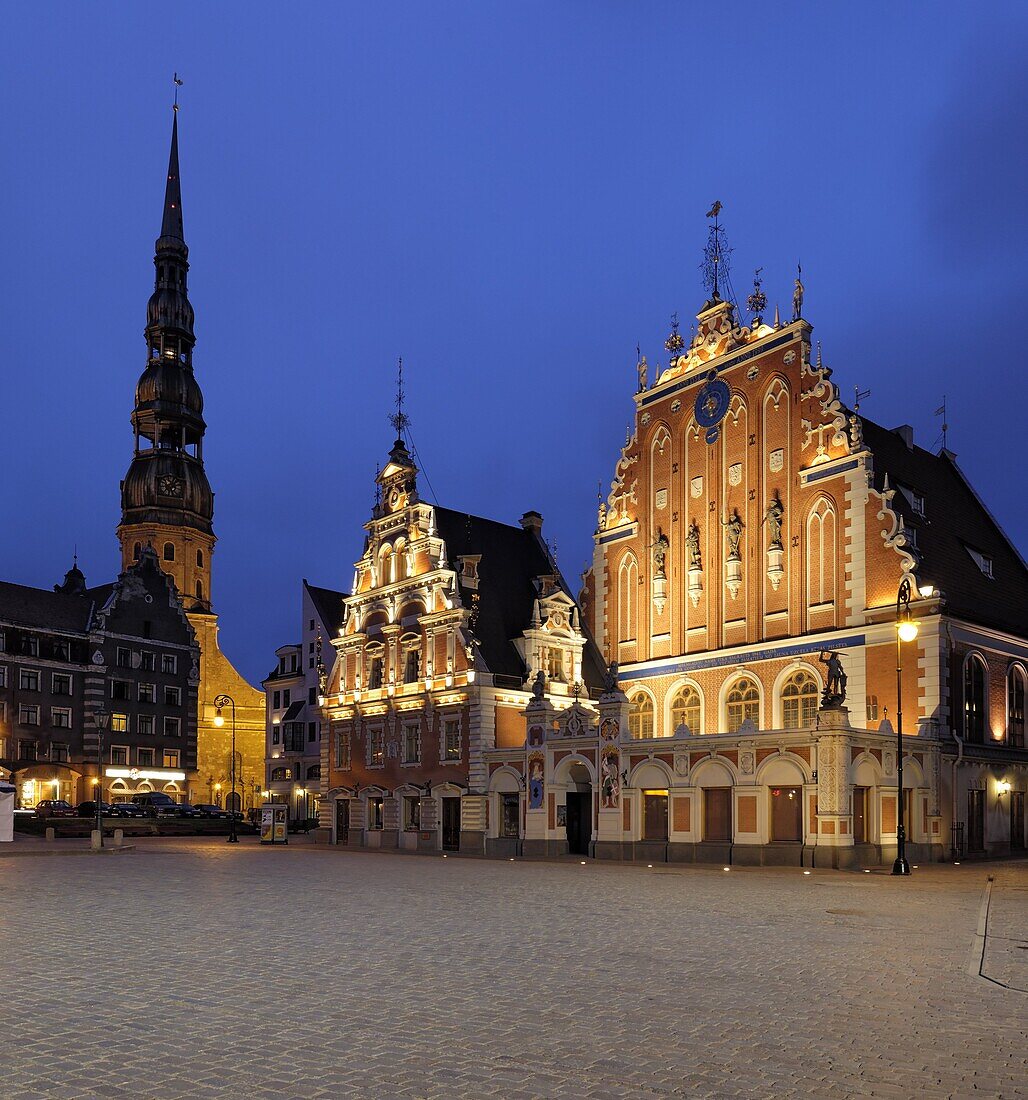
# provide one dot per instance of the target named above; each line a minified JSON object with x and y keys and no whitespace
{"x":207,"y":970}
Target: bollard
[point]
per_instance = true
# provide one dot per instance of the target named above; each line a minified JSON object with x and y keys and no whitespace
{"x":96,"y":840}
{"x":119,"y":837}
{"x":50,"y":833}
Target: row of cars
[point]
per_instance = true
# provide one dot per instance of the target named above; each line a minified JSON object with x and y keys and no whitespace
{"x":151,"y":804}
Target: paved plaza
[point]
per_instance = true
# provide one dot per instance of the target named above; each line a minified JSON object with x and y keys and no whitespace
{"x":198,"y":969}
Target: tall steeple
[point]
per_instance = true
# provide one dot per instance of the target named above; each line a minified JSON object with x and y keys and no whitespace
{"x":166,"y":499}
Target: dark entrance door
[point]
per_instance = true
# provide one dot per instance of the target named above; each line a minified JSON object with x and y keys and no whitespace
{"x":860,"y":815}
{"x":717,"y":813}
{"x":976,"y":821}
{"x":579,"y":824}
{"x":451,"y":824}
{"x":654,"y":816}
{"x":1017,"y":820}
{"x":343,"y":821}
{"x":786,"y":814}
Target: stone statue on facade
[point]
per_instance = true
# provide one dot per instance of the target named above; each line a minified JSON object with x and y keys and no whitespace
{"x":733,"y":532}
{"x":797,"y":295}
{"x":610,"y":679}
{"x":834,"y":694}
{"x":773,"y":519}
{"x":660,"y":549}
{"x":539,"y":686}
{"x":644,"y":371}
{"x":692,"y":542}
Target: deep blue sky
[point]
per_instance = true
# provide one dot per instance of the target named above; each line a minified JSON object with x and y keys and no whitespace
{"x":511,"y":197}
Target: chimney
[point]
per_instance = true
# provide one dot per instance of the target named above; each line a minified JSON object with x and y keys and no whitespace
{"x":532,"y":521}
{"x":906,"y":433}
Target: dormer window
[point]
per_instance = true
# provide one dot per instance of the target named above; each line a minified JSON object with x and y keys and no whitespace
{"x":983,"y":561}
{"x":914,"y":498}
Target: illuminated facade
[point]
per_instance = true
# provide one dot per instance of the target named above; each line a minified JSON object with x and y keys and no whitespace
{"x":167,"y":503}
{"x":453,"y":623}
{"x":754,"y":526}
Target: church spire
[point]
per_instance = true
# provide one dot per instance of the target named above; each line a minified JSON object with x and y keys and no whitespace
{"x":171,"y":226}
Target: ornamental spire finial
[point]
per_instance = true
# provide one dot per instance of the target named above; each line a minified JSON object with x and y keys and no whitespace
{"x":399,"y":420}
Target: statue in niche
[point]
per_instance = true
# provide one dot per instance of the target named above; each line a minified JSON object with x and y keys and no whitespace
{"x":660,"y":549}
{"x":733,"y":532}
{"x":834,"y":694}
{"x":773,"y":519}
{"x":692,"y":542}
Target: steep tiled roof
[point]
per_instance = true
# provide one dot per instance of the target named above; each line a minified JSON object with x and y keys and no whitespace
{"x":45,"y":609}
{"x":955,"y":522}
{"x":511,"y":557}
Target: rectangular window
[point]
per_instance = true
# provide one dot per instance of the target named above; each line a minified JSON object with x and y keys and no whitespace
{"x":451,"y":739}
{"x":375,"y":675}
{"x":310,"y":662}
{"x":171,"y":758}
{"x":27,"y":750}
{"x":169,"y":663}
{"x":276,"y":730}
{"x":555,"y":664}
{"x":28,"y":714}
{"x":872,"y":708}
{"x":144,"y":757}
{"x":148,"y":693}
{"x":412,"y":743}
{"x":375,"y":813}
{"x":60,"y":718}
{"x":119,"y":755}
{"x":3,"y":641}
{"x":412,"y":666}
{"x":28,"y":679}
{"x":342,"y":746}
{"x":172,"y":697}
{"x":119,"y":689}
{"x":59,"y":752}
{"x":285,"y":697}
{"x":172,"y":727}
{"x":30,"y":647}
{"x":60,"y":683}
{"x":3,"y":676}
{"x":276,"y":700}
{"x":146,"y":661}
{"x":510,"y":815}
{"x":144,"y":725}
{"x":119,"y":723}
{"x":62,"y":651}
{"x":376,"y":748}
{"x":411,"y":813}
{"x":122,"y":659}
{"x":292,"y":736}
{"x":312,"y":696}
{"x":312,"y":732}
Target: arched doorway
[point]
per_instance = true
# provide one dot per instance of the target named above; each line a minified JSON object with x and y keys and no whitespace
{"x":578,"y":801}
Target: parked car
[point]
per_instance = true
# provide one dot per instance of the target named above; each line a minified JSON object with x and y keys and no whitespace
{"x":186,"y":810}
{"x":156,"y":804}
{"x":54,"y":807}
{"x":88,"y":809}
{"x":129,"y":809}
{"x":207,"y":809}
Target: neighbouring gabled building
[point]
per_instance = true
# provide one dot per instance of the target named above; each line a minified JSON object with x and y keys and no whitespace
{"x":65,"y":655}
{"x":293,"y":692}
{"x":451,"y":622}
{"x":756,"y":525}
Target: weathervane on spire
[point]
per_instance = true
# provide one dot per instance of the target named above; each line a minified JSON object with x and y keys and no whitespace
{"x":715,"y":255}
{"x":756,"y":303}
{"x":178,"y":84}
{"x":399,"y":420}
{"x":674,"y":343}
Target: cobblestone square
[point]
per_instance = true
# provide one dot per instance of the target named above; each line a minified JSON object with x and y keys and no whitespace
{"x":204,"y":970}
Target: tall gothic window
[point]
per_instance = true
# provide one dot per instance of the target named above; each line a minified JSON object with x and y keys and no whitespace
{"x":199,"y":559}
{"x":1015,"y":706}
{"x":640,"y":716}
{"x":821,"y":554}
{"x":743,"y":702}
{"x":974,"y":699}
{"x":685,"y":709}
{"x":628,"y":591}
{"x":799,"y":701}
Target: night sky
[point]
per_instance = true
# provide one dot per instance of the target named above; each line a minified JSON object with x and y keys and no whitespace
{"x":511,"y":197}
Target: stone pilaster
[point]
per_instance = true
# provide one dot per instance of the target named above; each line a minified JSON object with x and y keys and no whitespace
{"x":613,"y":707}
{"x":834,"y":791}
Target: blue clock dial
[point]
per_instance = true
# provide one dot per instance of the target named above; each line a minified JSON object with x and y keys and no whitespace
{"x":711,"y":405}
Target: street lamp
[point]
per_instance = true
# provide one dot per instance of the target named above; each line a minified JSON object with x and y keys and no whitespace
{"x":102,"y":719}
{"x":220,"y":702}
{"x":906,"y":631}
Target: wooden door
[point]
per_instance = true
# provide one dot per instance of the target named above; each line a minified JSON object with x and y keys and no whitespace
{"x":343,"y":821}
{"x":654,"y":816}
{"x":860,"y":823}
{"x":976,"y":821}
{"x":717,"y":813}
{"x":787,"y":814}
{"x":1017,"y":821}
{"x":451,"y":824}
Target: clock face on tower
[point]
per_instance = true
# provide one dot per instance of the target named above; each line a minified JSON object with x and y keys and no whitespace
{"x":169,"y":486}
{"x":711,"y":405}
{"x":396,"y":499}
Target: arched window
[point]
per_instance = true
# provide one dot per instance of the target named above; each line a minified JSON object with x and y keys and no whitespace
{"x":278,"y":774}
{"x":169,"y":551}
{"x":628,"y":586}
{"x":199,"y":559}
{"x":799,"y":701}
{"x":821,"y":554}
{"x":685,"y":709}
{"x":743,"y":702}
{"x":974,"y":699}
{"x":1015,"y":707}
{"x":640,"y":716}
{"x":314,"y":771}
{"x":136,"y":551}
{"x":199,"y":590}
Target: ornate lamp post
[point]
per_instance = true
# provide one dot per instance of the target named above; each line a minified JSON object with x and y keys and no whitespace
{"x":102,"y":719}
{"x":906,"y":631}
{"x":220,"y":702}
